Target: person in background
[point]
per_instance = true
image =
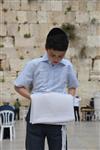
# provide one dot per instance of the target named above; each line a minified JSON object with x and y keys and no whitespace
{"x":49,"y":73}
{"x":76,"y":108}
{"x":92,"y":102}
{"x":17,"y":105}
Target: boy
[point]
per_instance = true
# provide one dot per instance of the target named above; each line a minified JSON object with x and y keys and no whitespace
{"x":77,"y":100}
{"x":49,"y":73}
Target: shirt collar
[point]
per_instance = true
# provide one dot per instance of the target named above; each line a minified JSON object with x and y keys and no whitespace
{"x":45,"y":58}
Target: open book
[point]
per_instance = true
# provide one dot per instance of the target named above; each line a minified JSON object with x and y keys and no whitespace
{"x":51,"y":108}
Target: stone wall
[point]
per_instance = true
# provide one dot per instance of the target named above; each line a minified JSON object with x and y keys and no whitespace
{"x":24,"y":25}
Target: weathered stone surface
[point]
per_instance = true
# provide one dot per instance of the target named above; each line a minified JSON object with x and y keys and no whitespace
{"x":91,"y":5}
{"x":12,"y":29}
{"x":2,"y":30}
{"x":42,"y":17}
{"x":12,"y":5}
{"x":32,"y":17}
{"x":10,"y":16}
{"x":93,"y":41}
{"x":82,"y":17}
{"x":1,"y":17}
{"x":21,"y":16}
{"x":8,"y":42}
{"x":26,"y":42}
{"x":24,"y":5}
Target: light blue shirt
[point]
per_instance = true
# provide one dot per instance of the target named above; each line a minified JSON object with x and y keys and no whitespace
{"x":42,"y":76}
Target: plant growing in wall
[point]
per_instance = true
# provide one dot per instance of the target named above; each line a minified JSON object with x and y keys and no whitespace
{"x":54,"y":23}
{"x":18,"y":28}
{"x":37,"y":22}
{"x":31,"y":1}
{"x":27,"y":52}
{"x":68,"y":9}
{"x":1,"y":45}
{"x":93,"y":20}
{"x":5,"y":22}
{"x":5,"y":10}
{"x":83,"y":52}
{"x":2,"y":80}
{"x":27,"y":35}
{"x":16,"y":18}
{"x":2,"y":1}
{"x":21,"y":57}
{"x":34,"y":46}
{"x":69,"y":29}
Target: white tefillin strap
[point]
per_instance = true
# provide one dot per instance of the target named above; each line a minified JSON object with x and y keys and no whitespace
{"x":63,"y":137}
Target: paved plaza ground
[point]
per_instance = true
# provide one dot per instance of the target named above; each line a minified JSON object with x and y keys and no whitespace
{"x":81,"y":136}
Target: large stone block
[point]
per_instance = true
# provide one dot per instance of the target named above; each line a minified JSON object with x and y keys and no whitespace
{"x":83,"y":74}
{"x":1,"y":17}
{"x":39,"y":32}
{"x":75,"y":5}
{"x":56,"y":5}
{"x":2,"y":30}
{"x":71,"y":5}
{"x":95,"y":15}
{"x":14,"y":64}
{"x":26,"y":42}
{"x":1,"y":6}
{"x":56,"y":17}
{"x":45,"y":5}
{"x":97,"y":5}
{"x":21,"y":16}
{"x":92,"y":30}
{"x":12,"y":5}
{"x":22,"y":30}
{"x":48,"y":5}
{"x":93,"y":41}
{"x":34,"y":30}
{"x":10,"y":16}
{"x":34,"y":5}
{"x":42,"y":16}
{"x":12,"y":29}
{"x":32,"y":17}
{"x":70,"y":17}
{"x":24,"y":5}
{"x":8,"y":42}
{"x":83,"y":5}
{"x":82,"y":17}
{"x":98,"y":30}
{"x":10,"y":52}
{"x":91,"y":5}
{"x":97,"y":65}
{"x":92,"y":52}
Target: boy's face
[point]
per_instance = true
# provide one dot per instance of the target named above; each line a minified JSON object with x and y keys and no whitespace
{"x":55,"y":56}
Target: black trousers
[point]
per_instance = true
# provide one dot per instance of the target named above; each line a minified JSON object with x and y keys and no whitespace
{"x":17,"y":114}
{"x":36,"y":134}
{"x":76,"y":113}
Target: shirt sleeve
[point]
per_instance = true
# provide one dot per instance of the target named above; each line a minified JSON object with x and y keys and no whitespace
{"x":25,"y":78}
{"x":72,"y":79}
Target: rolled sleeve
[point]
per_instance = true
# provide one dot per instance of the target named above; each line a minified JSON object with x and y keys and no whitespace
{"x":25,"y":78}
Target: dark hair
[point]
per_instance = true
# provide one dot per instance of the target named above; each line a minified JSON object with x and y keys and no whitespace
{"x":77,"y":96}
{"x":57,"y":39}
